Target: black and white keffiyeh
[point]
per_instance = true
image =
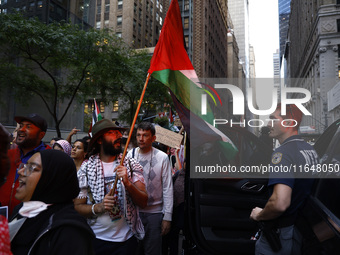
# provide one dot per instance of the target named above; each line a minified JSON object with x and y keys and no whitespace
{"x":91,"y":178}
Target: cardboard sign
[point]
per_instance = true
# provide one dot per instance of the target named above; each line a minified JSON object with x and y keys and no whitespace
{"x":167,"y":137}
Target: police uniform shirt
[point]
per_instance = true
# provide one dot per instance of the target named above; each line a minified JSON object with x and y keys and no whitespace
{"x":293,"y":152}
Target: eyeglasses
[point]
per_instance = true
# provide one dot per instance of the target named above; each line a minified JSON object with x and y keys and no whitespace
{"x":28,"y":168}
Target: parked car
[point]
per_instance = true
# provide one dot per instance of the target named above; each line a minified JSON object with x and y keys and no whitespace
{"x":217,"y":210}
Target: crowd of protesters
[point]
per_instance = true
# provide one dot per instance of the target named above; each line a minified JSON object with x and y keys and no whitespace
{"x":79,"y":198}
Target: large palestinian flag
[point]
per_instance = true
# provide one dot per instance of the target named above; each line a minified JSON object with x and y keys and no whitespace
{"x":171,"y":65}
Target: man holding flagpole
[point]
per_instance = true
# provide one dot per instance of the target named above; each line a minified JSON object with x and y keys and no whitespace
{"x":113,"y":217}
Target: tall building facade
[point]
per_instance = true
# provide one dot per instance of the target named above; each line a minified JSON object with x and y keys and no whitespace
{"x":137,"y":22}
{"x":276,"y":72}
{"x":314,"y":56}
{"x":284,"y":12}
{"x":209,"y":38}
{"x":276,"y":64}
{"x":239,"y":12}
{"x":48,"y":11}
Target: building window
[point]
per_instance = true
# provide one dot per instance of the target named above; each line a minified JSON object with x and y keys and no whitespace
{"x":186,"y":38}
{"x":40,"y":4}
{"x":161,"y":8}
{"x":31,"y":7}
{"x":157,"y":16}
{"x":106,"y":23}
{"x":160,"y":20}
{"x":120,"y":4}
{"x":115,"y":107}
{"x":186,"y":5}
{"x":101,"y":107}
{"x":119,"y":34}
{"x":107,"y":7}
{"x":186,"y":23}
{"x":99,"y":9}
{"x":119,"y":20}
{"x":98,"y":24}
{"x":338,"y":24}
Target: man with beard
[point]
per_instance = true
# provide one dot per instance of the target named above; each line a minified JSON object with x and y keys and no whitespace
{"x":113,"y":216}
{"x":32,"y":129}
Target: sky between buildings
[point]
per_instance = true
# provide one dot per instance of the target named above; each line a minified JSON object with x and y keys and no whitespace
{"x":264,"y":34}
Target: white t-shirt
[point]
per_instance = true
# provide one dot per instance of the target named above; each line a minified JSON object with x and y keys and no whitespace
{"x":105,"y":228}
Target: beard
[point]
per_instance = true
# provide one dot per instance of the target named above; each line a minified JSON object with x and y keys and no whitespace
{"x":28,"y":142}
{"x":112,"y":148}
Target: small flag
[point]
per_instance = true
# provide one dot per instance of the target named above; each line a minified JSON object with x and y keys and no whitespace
{"x":96,"y":116}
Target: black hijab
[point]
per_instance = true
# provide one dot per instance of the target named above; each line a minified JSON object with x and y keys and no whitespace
{"x":58,"y":182}
{"x":58,"y":185}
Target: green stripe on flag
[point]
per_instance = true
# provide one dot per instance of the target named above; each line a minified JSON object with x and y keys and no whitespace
{"x":185,"y":90}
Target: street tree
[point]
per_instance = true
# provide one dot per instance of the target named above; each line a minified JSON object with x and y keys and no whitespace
{"x":156,"y":94}
{"x":58,"y":62}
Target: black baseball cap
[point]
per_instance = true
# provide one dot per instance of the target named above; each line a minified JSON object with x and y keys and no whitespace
{"x":37,"y":120}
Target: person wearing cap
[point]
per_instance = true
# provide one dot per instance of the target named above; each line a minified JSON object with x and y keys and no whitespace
{"x":112,"y":214}
{"x":32,"y":129}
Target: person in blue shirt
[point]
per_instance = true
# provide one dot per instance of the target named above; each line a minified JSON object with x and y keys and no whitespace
{"x":287,"y":193}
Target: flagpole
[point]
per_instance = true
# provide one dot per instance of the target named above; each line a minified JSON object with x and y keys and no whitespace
{"x":131,"y":131}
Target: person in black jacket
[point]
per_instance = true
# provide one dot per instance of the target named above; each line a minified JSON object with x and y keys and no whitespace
{"x":47,"y":222}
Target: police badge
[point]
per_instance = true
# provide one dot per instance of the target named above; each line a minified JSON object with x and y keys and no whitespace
{"x":276,"y":158}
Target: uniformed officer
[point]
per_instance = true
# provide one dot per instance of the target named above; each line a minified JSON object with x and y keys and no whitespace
{"x":279,"y":236}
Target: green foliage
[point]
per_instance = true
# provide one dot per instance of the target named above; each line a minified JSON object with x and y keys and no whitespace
{"x":59,"y":62}
{"x":156,"y":93}
{"x":162,"y":121}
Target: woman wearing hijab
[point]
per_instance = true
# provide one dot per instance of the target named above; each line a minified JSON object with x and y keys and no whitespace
{"x":47,"y":222}
{"x":63,"y":145}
